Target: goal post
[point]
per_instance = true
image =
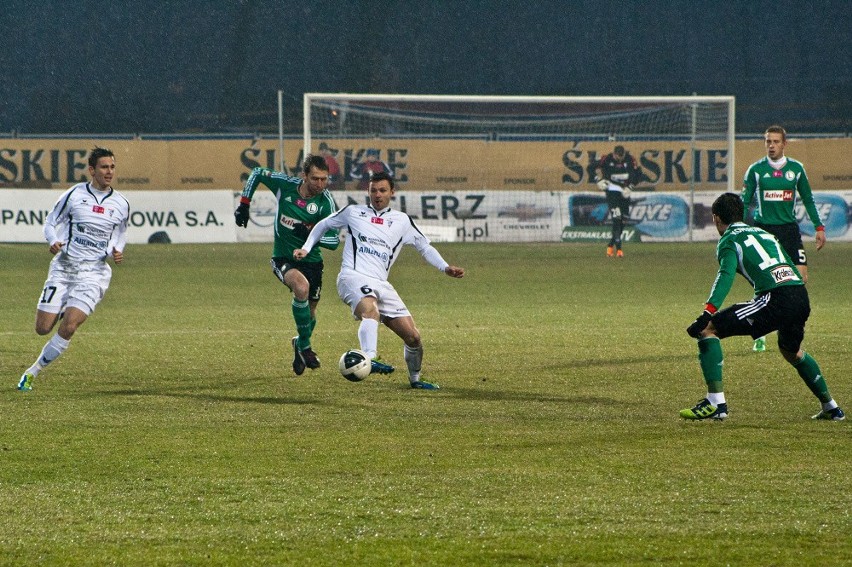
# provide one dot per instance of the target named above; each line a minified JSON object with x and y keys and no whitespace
{"x":446,"y":144}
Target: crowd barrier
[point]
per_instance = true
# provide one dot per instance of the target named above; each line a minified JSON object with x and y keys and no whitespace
{"x":455,"y":216}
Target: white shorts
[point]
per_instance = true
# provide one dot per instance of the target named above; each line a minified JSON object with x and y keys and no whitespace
{"x":353,"y":287}
{"x":76,"y":284}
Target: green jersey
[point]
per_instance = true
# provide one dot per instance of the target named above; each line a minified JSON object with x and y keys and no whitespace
{"x":776,"y":192}
{"x":293,"y":210}
{"x":755,"y":254}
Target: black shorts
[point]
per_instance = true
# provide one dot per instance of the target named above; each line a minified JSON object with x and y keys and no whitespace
{"x":311,"y":270}
{"x":618,"y":204}
{"x":784,"y":309}
{"x":790,"y":238}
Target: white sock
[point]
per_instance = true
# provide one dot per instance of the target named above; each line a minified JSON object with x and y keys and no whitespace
{"x":368,"y":336}
{"x":716,"y":398}
{"x":51,"y":351}
{"x":414,"y":360}
{"x":829,"y":405}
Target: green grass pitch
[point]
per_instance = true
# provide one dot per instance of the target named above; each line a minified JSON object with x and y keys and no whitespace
{"x":173,"y":431}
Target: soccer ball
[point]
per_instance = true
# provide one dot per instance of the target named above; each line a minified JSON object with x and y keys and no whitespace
{"x":354,"y":365}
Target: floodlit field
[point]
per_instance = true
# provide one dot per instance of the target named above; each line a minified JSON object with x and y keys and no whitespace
{"x":173,"y":431}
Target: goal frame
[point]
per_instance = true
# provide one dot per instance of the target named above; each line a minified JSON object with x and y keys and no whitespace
{"x":730,"y":101}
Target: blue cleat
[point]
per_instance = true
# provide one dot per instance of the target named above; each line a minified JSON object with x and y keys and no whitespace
{"x":26,"y":382}
{"x":377,"y":367}
{"x":835,"y":414}
{"x":421,"y":385}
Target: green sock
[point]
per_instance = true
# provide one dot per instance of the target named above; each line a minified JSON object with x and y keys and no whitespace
{"x":302,"y":316}
{"x":809,"y":370}
{"x":711,"y":360}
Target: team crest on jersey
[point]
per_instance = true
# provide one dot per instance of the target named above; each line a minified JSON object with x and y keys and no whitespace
{"x":312,"y":208}
{"x":790,"y":176}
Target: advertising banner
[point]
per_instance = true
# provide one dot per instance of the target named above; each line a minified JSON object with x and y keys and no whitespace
{"x":183,"y":216}
{"x":453,"y":216}
{"x":665,"y":217}
{"x":418,"y":164}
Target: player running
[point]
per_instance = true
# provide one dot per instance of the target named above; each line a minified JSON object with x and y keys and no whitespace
{"x":376,"y":236}
{"x":780,"y":304}
{"x":87,"y":225}
{"x":302,"y":201}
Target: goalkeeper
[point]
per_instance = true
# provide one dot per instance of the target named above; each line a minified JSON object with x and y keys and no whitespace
{"x":616,"y":173}
{"x":302,"y":202}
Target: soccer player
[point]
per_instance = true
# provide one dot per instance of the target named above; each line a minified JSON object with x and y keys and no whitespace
{"x":780,"y":304}
{"x":377,"y":234}
{"x":616,"y":174}
{"x":87,"y":225}
{"x":773,"y":182}
{"x":302,"y":202}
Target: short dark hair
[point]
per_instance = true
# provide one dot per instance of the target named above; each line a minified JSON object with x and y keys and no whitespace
{"x":382,"y":176}
{"x":314,"y":161}
{"x":776,"y":129}
{"x":619,"y":150}
{"x":97,"y":154}
{"x":729,"y":208}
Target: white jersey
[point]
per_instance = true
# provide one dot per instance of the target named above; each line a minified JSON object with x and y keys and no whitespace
{"x":375,"y":239}
{"x":91,"y":223}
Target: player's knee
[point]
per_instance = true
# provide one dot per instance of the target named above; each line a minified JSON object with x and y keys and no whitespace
{"x":411,"y":337}
{"x":792,"y":357}
{"x":67,"y":330}
{"x":45,"y":322}
{"x":367,"y":310}
{"x":42,"y":329}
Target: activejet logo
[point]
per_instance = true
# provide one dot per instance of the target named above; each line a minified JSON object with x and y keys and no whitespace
{"x":786,"y":195}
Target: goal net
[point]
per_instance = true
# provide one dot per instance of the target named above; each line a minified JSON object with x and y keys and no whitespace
{"x":456,"y":148}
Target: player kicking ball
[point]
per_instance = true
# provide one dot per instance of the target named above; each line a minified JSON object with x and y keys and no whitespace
{"x":377,"y":233}
{"x":780,"y":304}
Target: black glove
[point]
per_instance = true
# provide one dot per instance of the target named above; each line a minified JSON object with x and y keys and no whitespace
{"x":301,"y":230}
{"x":699,"y":325}
{"x":241,"y":215}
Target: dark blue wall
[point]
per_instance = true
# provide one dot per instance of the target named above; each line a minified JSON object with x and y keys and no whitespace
{"x":193,"y":66}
